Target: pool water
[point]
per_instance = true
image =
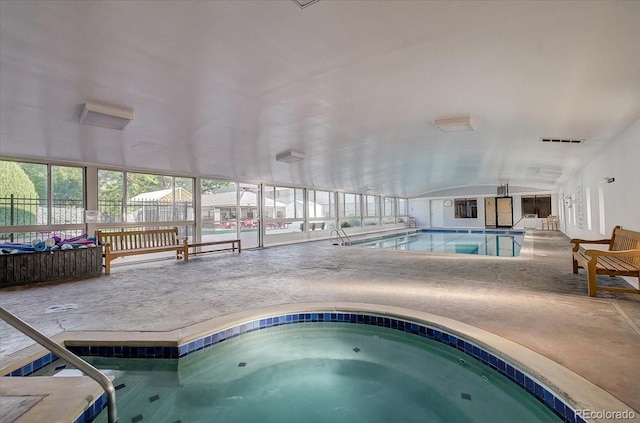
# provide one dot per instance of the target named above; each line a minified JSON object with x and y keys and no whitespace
{"x":492,"y":243}
{"x":319,"y":372}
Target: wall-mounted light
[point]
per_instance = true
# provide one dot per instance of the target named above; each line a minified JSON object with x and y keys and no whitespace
{"x":608,"y":179}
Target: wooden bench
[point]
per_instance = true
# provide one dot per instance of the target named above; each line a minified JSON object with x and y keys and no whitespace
{"x":622,"y":259}
{"x":235,"y":244}
{"x":129,"y":243}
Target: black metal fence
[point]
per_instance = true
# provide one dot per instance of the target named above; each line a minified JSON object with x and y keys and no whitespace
{"x":144,"y":211}
{"x":19,"y":211}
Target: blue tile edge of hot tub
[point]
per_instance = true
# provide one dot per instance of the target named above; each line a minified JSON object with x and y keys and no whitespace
{"x":527,"y":382}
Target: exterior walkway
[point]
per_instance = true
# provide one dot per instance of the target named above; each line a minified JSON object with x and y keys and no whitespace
{"x":534,"y":300}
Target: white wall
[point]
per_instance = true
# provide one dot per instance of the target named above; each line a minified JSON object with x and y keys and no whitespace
{"x":419,"y":208}
{"x":620,"y":160}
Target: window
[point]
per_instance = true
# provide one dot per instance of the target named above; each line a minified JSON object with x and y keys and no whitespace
{"x":67,"y":195}
{"x":322,"y":204}
{"x":466,"y":208}
{"x":539,"y":205}
{"x":26,"y":188}
{"x":37,"y":194}
{"x":372,"y":206}
{"x":371,"y":210}
{"x":141,"y":197}
{"x":283,"y":202}
{"x":403,"y":211}
{"x":218,"y":208}
{"x":601,"y":209}
{"x":23,"y":194}
{"x":588,"y":200}
{"x":389,"y":211}
{"x":351,"y":205}
{"x":350,"y":210}
{"x":322,"y":210}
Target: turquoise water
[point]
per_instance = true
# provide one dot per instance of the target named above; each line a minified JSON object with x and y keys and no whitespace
{"x":319,"y":372}
{"x":486,"y":244}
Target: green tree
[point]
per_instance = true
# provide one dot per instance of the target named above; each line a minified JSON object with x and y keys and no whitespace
{"x":211,"y":186}
{"x":67,"y":183}
{"x":37,"y":173}
{"x":15,"y":182}
{"x":110,"y":186}
{"x":138,"y":183}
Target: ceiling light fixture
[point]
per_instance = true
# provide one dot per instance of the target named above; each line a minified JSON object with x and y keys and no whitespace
{"x":289,"y":156}
{"x":458,"y":124}
{"x":105,"y":116}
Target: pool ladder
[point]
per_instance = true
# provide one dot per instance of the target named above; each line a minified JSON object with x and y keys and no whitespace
{"x":341,"y":237}
{"x":69,"y":357}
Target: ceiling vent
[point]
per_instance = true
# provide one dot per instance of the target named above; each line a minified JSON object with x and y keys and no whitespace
{"x":305,"y":3}
{"x":459,"y":124}
{"x":105,"y":116}
{"x":562,"y":140}
{"x":289,"y":156}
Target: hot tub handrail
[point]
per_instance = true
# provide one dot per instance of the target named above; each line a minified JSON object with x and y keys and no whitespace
{"x":67,"y":355}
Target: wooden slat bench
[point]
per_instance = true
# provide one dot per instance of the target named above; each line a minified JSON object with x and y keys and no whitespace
{"x":129,"y":243}
{"x":622,"y":259}
{"x":196,"y":247}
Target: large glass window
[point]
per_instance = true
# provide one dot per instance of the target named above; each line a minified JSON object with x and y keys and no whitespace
{"x":371,"y":210}
{"x":142,"y":197}
{"x":372,"y":206}
{"x":111,"y":198}
{"x":23,"y":194}
{"x":466,"y":208}
{"x":403,"y":210}
{"x":588,"y":201}
{"x":67,"y":195}
{"x":601,"y":220}
{"x":389,"y":210}
{"x":219,"y":209}
{"x":350,"y":211}
{"x":322,"y":210}
{"x":539,"y":205}
{"x":284,"y":209}
{"x":36,"y":194}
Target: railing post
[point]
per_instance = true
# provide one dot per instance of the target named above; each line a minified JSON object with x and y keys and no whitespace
{"x":11,"y":214}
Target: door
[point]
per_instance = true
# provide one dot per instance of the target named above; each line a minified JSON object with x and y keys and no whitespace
{"x":437,"y":214}
{"x":490,"y":218}
{"x":504,"y":206}
{"x":249,"y":212}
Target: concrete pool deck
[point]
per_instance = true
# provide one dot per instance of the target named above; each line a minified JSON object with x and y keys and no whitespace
{"x":534,"y":300}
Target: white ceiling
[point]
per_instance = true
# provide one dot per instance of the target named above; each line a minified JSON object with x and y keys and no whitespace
{"x":219,"y":88}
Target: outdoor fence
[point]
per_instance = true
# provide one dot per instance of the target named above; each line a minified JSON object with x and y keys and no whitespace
{"x":144,"y":211}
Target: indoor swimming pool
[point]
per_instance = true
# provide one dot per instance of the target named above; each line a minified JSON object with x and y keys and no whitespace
{"x":476,"y":242}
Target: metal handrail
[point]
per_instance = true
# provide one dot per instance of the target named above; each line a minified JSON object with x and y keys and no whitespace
{"x":339,"y":235}
{"x":68,"y":356}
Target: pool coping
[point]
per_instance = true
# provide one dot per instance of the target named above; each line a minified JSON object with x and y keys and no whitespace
{"x":574,"y":390}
